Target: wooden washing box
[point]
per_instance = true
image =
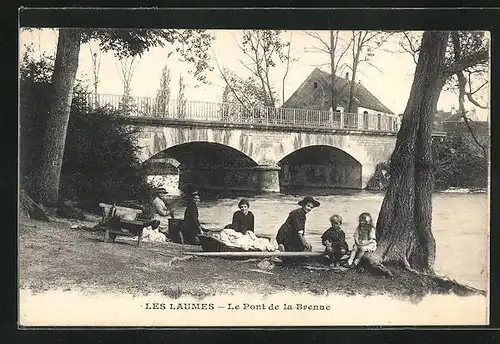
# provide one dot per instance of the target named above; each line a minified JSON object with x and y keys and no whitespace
{"x":121,"y":221}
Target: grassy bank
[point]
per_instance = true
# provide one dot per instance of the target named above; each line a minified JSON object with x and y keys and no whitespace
{"x":53,"y":255}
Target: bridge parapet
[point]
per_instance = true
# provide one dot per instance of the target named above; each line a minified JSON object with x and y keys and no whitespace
{"x":235,"y":113}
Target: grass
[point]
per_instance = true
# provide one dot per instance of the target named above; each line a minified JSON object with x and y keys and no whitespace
{"x":54,"y":256}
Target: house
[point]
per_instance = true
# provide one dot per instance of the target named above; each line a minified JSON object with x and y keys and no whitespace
{"x":315,"y":93}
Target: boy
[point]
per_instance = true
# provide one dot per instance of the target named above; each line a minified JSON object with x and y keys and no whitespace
{"x":334,"y":240}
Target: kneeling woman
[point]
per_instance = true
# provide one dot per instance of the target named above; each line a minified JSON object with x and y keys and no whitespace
{"x":243,"y":219}
{"x":290,"y":236}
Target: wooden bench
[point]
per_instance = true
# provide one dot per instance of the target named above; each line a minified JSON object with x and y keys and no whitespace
{"x":121,"y":221}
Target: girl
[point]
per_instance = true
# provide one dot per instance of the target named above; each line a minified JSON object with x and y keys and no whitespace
{"x":364,"y":239}
{"x":334,"y":240}
{"x":243,"y":219}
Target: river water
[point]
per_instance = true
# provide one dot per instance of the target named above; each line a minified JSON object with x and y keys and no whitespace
{"x":460,"y":224}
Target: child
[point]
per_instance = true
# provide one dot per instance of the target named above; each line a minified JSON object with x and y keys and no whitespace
{"x":364,"y":239}
{"x":334,"y":240}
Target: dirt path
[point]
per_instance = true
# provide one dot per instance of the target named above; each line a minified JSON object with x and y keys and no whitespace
{"x":55,"y":256}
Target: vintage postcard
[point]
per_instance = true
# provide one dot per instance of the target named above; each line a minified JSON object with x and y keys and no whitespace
{"x":200,"y":177}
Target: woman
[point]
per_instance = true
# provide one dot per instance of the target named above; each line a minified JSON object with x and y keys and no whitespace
{"x":191,"y":225}
{"x":243,"y":219}
{"x":290,"y":236}
{"x":161,"y":210}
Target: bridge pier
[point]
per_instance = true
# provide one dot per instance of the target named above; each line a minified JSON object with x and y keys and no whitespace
{"x":267,"y":177}
{"x":258,"y":179}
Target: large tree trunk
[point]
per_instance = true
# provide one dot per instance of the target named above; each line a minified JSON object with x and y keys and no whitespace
{"x":63,"y":80}
{"x":404,"y":224}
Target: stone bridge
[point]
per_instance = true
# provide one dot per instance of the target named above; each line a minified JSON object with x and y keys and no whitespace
{"x":263,"y":157}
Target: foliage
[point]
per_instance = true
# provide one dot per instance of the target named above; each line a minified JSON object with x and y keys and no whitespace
{"x":380,"y":178}
{"x":36,"y":70}
{"x":192,"y":45}
{"x":163,"y":94}
{"x":458,"y":164}
{"x":247,"y":91}
{"x":263,"y":48}
{"x":181,"y":98}
{"x":99,"y":163}
{"x":124,"y":43}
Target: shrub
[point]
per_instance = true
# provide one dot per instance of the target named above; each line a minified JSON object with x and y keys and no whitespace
{"x":100,"y":162}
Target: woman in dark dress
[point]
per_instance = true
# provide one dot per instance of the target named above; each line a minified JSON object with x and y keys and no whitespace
{"x":290,"y":236}
{"x":243,"y":219}
{"x":191,"y":225}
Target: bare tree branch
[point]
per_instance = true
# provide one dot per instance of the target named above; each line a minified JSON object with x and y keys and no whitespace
{"x":466,"y":62}
{"x":227,"y":81}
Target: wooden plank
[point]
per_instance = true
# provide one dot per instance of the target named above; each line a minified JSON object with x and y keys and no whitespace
{"x":256,"y":254}
{"x":120,"y":208}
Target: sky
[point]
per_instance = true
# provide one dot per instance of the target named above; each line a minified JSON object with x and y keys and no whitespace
{"x":390,"y":81}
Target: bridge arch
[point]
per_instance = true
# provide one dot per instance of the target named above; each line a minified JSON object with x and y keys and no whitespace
{"x":154,"y":139}
{"x":319,"y":167}
{"x":203,"y":153}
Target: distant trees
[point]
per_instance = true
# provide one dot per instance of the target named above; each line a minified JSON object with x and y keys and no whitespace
{"x":363,"y":46}
{"x":262,"y":48}
{"x":181,"y":98}
{"x":163,"y":93}
{"x":126,"y":69}
{"x":336,"y":50}
{"x":95,"y":55}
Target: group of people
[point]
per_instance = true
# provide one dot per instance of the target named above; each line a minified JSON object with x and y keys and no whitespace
{"x":190,"y":227}
{"x":291,"y":234}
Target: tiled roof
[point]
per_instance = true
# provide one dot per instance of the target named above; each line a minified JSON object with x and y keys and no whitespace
{"x":306,"y":96}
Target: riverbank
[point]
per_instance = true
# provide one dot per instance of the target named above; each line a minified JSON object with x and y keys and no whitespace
{"x":53,"y":255}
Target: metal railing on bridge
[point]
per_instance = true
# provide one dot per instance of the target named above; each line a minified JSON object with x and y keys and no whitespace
{"x":236,"y":113}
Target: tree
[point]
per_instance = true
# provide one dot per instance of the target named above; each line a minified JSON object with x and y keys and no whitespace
{"x":404,"y":231}
{"x":287,"y":59}
{"x":124,"y":42}
{"x":468,"y":82}
{"x":181,"y":98}
{"x":262,"y":49}
{"x":336,"y":53}
{"x":95,"y":55}
{"x":126,"y":68}
{"x":246,"y":91}
{"x":63,"y":81}
{"x":464,"y":43}
{"x":363,"y":44}
{"x":163,"y":93}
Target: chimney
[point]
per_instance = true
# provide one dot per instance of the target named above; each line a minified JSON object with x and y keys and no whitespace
{"x":347,"y":76}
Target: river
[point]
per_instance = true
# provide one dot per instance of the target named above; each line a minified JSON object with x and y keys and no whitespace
{"x":460,"y":224}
